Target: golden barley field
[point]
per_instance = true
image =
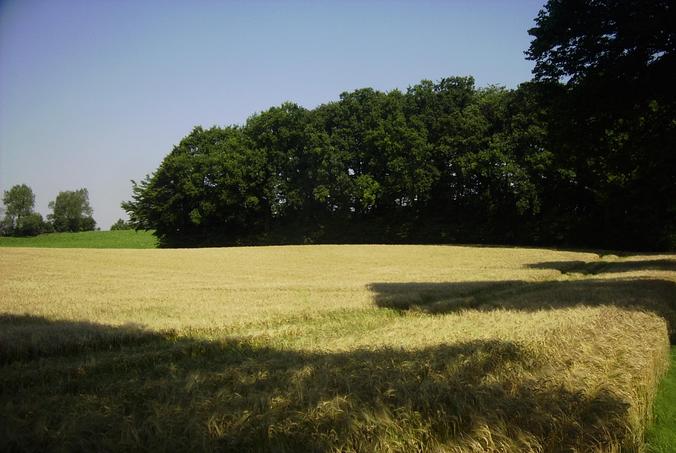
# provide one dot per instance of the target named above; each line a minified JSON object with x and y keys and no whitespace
{"x":331,"y":348}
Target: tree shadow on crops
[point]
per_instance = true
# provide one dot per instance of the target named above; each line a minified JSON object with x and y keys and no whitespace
{"x":27,"y":337}
{"x":166,"y":392}
{"x":601,"y":267}
{"x":658,"y":296}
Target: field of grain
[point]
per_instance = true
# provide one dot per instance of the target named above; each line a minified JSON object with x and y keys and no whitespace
{"x":331,"y":348}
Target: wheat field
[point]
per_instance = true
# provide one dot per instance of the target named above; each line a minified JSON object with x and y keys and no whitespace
{"x":331,"y":348}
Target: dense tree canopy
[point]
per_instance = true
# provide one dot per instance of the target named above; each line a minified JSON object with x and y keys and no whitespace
{"x":71,"y":211}
{"x":441,"y":162}
{"x":582,"y":155}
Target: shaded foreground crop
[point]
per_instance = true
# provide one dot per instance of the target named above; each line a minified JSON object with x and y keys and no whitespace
{"x":163,"y":392}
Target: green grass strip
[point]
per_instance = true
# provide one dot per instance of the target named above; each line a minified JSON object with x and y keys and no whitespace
{"x":121,"y":239}
{"x":661,"y":435}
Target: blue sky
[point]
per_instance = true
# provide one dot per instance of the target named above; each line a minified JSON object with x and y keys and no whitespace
{"x":95,"y":93}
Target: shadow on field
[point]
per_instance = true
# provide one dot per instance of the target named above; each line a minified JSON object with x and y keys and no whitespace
{"x":658,"y":296}
{"x":120,"y":389}
{"x":26,"y":337}
{"x":601,"y":267}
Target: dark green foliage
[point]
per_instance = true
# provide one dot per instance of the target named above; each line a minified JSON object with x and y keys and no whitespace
{"x":211,"y":187}
{"x":443,"y":162}
{"x":616,"y":120}
{"x":30,"y":225}
{"x":631,"y":41}
{"x":586,"y":162}
{"x":426,"y":165}
{"x":72,"y":212}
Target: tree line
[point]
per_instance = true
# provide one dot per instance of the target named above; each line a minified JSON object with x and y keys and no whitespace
{"x":71,"y":212}
{"x":580,"y":155}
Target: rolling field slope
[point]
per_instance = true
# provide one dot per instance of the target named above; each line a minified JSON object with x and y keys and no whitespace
{"x":331,"y":348}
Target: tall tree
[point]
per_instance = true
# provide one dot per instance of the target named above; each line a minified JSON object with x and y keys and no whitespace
{"x":71,"y":211}
{"x":630,"y":41}
{"x":19,"y":202}
{"x":617,"y":59}
{"x":19,"y":219}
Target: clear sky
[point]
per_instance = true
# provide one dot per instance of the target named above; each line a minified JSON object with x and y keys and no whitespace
{"x":95,"y":93}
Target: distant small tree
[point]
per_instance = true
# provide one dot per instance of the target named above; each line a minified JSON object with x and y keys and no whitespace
{"x":121,"y":225}
{"x":19,"y":219}
{"x":72,"y":212}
